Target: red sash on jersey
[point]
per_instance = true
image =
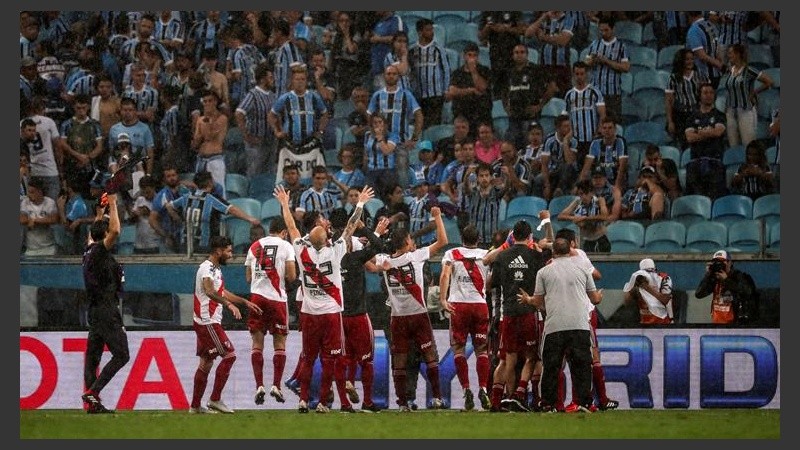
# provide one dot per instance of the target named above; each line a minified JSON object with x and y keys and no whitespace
{"x":407,"y":281}
{"x":472,"y":269}
{"x":269,"y":267}
{"x":322,"y":281}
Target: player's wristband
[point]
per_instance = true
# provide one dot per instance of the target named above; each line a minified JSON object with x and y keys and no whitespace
{"x":544,"y":222}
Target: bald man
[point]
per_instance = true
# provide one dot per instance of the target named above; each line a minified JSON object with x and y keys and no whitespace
{"x":321,"y":313}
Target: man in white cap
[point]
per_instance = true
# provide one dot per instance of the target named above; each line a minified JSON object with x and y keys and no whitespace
{"x":735,"y":298}
{"x":652,"y":292}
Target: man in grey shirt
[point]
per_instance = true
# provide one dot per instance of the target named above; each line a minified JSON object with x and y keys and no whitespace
{"x":562,"y":291}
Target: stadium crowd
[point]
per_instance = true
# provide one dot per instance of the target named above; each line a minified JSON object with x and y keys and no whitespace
{"x":235,"y":123}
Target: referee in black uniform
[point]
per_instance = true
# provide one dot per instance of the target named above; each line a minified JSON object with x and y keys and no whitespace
{"x":103,"y":278}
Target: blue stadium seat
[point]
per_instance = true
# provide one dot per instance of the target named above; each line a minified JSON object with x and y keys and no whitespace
{"x":238,"y":231}
{"x":648,"y":36}
{"x":626,"y":236}
{"x":249,"y":205}
{"x":647,"y":79}
{"x":451,"y":22}
{"x":733,"y":156}
{"x":533,"y":55}
{"x":626,"y":80}
{"x":236,"y":185}
{"x":670,"y":152}
{"x":500,"y":125}
{"x":642,"y":59}
{"x":373,"y":206}
{"x":646,"y":132}
{"x":772,"y":153}
{"x":775,"y":238}
{"x":453,"y":232}
{"x":759,"y":56}
{"x":633,"y":112}
{"x":654,"y":100}
{"x":269,"y":209}
{"x":732,"y":208}
{"x":686,"y":156}
{"x":629,"y":32}
{"x":557,"y":204}
{"x":774,"y":74}
{"x":768,"y":207}
{"x":458,"y":37}
{"x":342,"y":108}
{"x":262,"y":186}
{"x":707,"y":236}
{"x":436,"y":132}
{"x":528,"y":205}
{"x":730,"y":171}
{"x":453,"y":58}
{"x":554,"y":107}
{"x":374,"y":281}
{"x":126,"y":240}
{"x":767,"y":102}
{"x":745,"y":235}
{"x":665,"y":237}
{"x":498,"y":110}
{"x":483,"y":56}
{"x":445,"y":15}
{"x":665,"y":57}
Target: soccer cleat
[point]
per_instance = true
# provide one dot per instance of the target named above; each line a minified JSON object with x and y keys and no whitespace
{"x":371,"y":408}
{"x":547,"y":409}
{"x":571,"y":408}
{"x":260,"y":394}
{"x":512,"y":404}
{"x":469,"y":400}
{"x":219,"y":406}
{"x":412,"y":404}
{"x":609,"y":404}
{"x":98,"y":408}
{"x":590,"y":408}
{"x":322,"y":409}
{"x":276,"y":393}
{"x":405,"y":408}
{"x":90,"y":398}
{"x":437,"y":403}
{"x":201,"y":410}
{"x":348,"y":409}
{"x":483,"y":396}
{"x":293,"y":385}
{"x":302,"y":407}
{"x":352,"y":393}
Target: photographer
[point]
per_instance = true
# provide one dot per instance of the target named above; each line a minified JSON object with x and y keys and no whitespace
{"x":735,"y":299}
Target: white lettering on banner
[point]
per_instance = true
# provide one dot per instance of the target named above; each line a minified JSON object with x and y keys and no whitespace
{"x":162,"y":366}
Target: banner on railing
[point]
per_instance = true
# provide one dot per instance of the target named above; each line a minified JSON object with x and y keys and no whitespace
{"x":664,"y":368}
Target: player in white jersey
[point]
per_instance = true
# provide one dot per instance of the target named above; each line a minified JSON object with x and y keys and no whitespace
{"x":598,"y":375}
{"x":321,"y":291}
{"x":210,"y":297}
{"x":402,"y":273}
{"x":268,"y":266}
{"x":465,"y":274}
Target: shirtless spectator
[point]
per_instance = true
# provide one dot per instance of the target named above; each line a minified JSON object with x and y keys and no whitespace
{"x":208,"y":138}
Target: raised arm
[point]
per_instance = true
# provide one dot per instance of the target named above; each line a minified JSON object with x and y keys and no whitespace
{"x":364,"y":196}
{"x":441,"y":234}
{"x":283,"y":198}
{"x":113,"y":221}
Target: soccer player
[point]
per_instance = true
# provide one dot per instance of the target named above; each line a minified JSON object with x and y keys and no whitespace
{"x":409,"y":321}
{"x":269,"y":264}
{"x":469,"y":312}
{"x":321,"y":313}
{"x":210,"y":297}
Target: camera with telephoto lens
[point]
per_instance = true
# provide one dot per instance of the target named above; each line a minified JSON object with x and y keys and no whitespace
{"x":717,"y":266}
